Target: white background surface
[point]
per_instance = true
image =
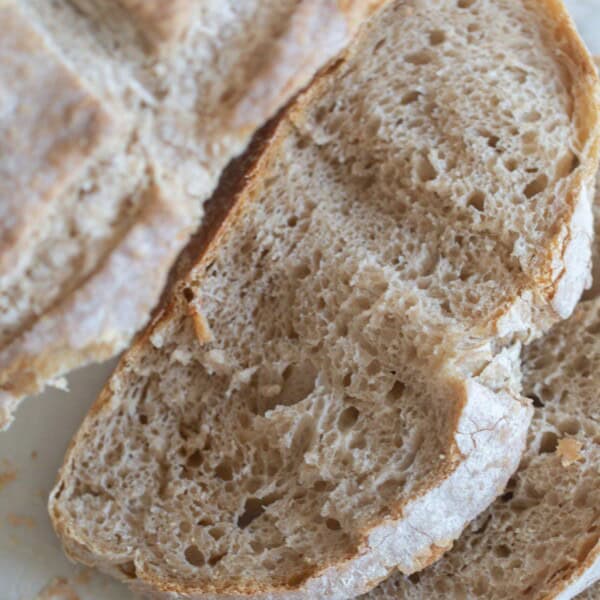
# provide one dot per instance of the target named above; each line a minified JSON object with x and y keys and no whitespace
{"x":32,"y":450}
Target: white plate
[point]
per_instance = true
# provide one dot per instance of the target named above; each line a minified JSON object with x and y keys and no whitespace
{"x":32,"y":450}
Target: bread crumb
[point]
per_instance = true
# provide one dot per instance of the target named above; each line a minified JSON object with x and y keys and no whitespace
{"x":7,"y":475}
{"x":569,"y":451}
{"x":215,"y":361}
{"x":60,"y":383}
{"x":57,"y":589}
{"x":20,"y":521}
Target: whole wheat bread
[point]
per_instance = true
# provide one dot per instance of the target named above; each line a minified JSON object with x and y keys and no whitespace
{"x":116,"y":119}
{"x":326,"y":396}
{"x":541,"y":538}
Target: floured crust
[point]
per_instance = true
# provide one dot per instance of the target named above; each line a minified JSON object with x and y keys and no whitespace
{"x":581,"y":579}
{"x":44,"y":146}
{"x":289,"y":68}
{"x":161,"y":22}
{"x":97,"y":320}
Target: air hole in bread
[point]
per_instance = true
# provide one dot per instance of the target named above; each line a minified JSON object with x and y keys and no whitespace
{"x":465,"y":3}
{"x":216,"y":533}
{"x":532,"y":116}
{"x":419,"y":58}
{"x":397,"y":391}
{"x":194,"y":557}
{"x":477,"y":200}
{"x":548,"y":442}
{"x":188,"y":294}
{"x":215,"y":558}
{"x":536,"y":400}
{"x":378,"y":46}
{"x":436,"y":37}
{"x":536,"y":186}
{"x":507,"y":497}
{"x":195,"y":459}
{"x":569,"y":426}
{"x":224,"y":471}
{"x":425,"y":170}
{"x":333,"y":524}
{"x":143,"y":419}
{"x":348,"y":418}
{"x":292,"y":221}
{"x":373,"y":368}
{"x":128,"y":569}
{"x":414,"y":578}
{"x":511,"y":164}
{"x":253,"y":508}
{"x":185,"y":527}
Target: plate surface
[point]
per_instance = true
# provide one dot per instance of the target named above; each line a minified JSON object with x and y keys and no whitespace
{"x":32,"y":565}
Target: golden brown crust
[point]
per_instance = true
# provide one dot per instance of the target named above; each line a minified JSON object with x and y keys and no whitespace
{"x":585,"y":90}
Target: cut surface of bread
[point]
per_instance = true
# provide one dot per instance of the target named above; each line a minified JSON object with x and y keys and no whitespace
{"x":541,"y":538}
{"x":326,"y":396}
{"x":117,"y":118}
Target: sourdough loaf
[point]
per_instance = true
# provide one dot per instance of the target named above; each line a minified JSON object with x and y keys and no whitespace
{"x":332,"y":391}
{"x":116,"y":119}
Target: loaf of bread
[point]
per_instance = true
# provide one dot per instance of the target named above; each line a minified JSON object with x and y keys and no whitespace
{"x":116,"y":120}
{"x":331,"y":392}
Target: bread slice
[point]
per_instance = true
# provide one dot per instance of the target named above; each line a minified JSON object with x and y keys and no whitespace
{"x":117,"y":118}
{"x":541,"y":538}
{"x":326,"y":395}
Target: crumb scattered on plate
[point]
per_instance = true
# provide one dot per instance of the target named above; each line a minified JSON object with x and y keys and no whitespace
{"x":57,"y":589}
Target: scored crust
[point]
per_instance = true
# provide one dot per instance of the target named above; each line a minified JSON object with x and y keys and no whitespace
{"x":43,"y":146}
{"x":285,"y":70}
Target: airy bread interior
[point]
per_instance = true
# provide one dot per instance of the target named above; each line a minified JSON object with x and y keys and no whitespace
{"x":304,"y":390}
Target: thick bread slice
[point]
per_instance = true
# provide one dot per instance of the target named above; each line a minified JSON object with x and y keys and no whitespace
{"x":541,"y":539}
{"x":293,"y":424}
{"x":127,"y":138}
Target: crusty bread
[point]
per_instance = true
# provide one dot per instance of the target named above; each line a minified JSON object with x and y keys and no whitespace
{"x":326,"y":395}
{"x":117,"y":117}
{"x":541,"y":538}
